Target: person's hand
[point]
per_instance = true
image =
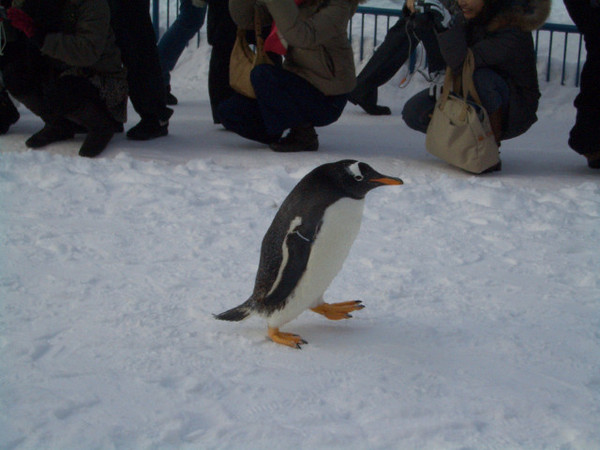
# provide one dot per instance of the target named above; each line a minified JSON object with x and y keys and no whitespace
{"x":20,"y":20}
{"x":438,"y":12}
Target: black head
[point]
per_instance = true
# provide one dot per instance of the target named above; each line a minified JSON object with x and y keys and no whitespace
{"x":355,"y":178}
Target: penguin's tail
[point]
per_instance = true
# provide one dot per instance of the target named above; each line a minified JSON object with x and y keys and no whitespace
{"x":236,"y":314}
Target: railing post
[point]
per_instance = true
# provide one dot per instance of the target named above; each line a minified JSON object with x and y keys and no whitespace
{"x":564,"y":63}
{"x":549,"y":56}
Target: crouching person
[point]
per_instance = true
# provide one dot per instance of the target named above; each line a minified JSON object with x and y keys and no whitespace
{"x":68,"y":71}
{"x":310,"y":88}
{"x":499,"y":34}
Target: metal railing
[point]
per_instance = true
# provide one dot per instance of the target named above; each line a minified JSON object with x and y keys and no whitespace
{"x":369,"y":26}
{"x":552,"y":28}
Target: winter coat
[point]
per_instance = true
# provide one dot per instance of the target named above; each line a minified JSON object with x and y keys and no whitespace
{"x":83,"y":44}
{"x":317,"y":35}
{"x":501,"y":40}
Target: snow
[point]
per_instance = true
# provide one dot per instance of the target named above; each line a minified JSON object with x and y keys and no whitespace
{"x":481,"y":326}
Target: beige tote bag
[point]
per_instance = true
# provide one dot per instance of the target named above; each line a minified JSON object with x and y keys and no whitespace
{"x":460,"y":131}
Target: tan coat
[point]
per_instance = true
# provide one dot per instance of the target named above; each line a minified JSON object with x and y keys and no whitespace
{"x":317,"y":35}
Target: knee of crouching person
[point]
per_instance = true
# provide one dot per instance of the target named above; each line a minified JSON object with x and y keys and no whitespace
{"x":417,"y":113}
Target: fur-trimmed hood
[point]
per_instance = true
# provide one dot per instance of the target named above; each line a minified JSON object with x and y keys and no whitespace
{"x":527,"y":15}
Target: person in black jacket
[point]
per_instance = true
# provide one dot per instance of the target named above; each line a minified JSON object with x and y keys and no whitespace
{"x":585,"y":134}
{"x":499,"y":34}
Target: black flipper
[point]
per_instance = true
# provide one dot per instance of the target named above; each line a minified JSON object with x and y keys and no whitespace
{"x":298,"y":247}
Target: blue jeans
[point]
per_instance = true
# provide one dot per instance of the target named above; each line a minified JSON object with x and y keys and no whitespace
{"x":493,"y":91}
{"x":173,"y":42}
{"x":283,"y":100}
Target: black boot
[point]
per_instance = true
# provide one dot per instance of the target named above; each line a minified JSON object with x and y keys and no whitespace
{"x":171,"y":99}
{"x":372,"y":109}
{"x":56,"y":131}
{"x":100,"y":125}
{"x":151,"y":127}
{"x":302,"y":138}
{"x":8,"y":112}
{"x":593,"y":160}
{"x":368,"y":102}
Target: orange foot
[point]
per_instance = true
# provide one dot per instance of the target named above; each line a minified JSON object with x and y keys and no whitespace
{"x":289,"y":339}
{"x":338,"y":311}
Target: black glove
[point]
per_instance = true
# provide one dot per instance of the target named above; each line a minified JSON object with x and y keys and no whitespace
{"x":437,"y":11}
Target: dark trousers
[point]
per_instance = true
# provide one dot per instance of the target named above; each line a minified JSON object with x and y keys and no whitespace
{"x":284,"y":100}
{"x":173,"y":42}
{"x":391,"y":55}
{"x":135,"y":38}
{"x":491,"y":88}
{"x":221,"y":32}
{"x":585,"y":134}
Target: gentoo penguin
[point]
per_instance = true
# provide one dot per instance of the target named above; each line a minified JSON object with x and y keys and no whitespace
{"x":306,"y":245}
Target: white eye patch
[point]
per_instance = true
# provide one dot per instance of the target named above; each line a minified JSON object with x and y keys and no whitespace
{"x":354,"y":170}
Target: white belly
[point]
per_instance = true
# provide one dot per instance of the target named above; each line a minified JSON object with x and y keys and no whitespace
{"x":340,"y":227}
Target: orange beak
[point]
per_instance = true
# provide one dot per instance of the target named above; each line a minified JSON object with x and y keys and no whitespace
{"x":387,"y":180}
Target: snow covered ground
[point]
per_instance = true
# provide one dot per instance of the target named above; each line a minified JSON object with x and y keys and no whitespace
{"x":482,"y":325}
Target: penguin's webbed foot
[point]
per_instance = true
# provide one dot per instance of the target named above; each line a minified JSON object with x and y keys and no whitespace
{"x":338,"y":311}
{"x":289,"y":339}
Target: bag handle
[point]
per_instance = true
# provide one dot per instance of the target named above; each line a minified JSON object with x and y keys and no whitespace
{"x":261,"y":54}
{"x":468,"y":86}
{"x":452,"y":82}
{"x":241,"y":32}
{"x":464,"y":81}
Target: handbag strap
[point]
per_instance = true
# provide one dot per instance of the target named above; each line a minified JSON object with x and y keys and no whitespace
{"x":452,"y":82}
{"x":448,"y":85}
{"x":463,"y":81}
{"x":261,"y":54}
{"x":468,"y":86}
{"x":241,"y":32}
{"x":257,"y":25}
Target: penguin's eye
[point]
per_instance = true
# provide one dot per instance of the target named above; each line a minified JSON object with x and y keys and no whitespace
{"x":359,"y":177}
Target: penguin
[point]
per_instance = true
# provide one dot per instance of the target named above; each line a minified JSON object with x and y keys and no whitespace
{"x":306,"y":245}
